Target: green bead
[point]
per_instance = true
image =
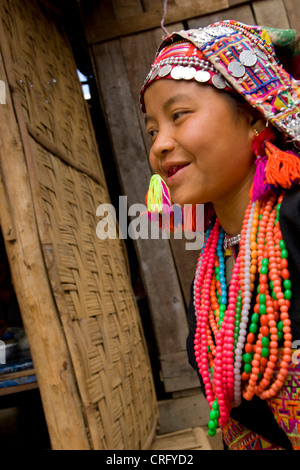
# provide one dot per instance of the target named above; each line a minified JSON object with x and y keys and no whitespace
{"x":280,"y":325}
{"x":282,"y":244}
{"x":284,"y":254}
{"x":212,"y":424}
{"x":274,"y":295}
{"x":262,"y":309}
{"x":217,"y":270}
{"x":265,"y":341}
{"x":279,"y":335}
{"x":278,"y":207}
{"x":247,"y":368}
{"x":257,"y":289}
{"x":272,"y":284}
{"x":265,"y":262}
{"x":214,"y":414}
{"x":265,"y":352}
{"x":287,"y":284}
{"x":288,"y":294}
{"x":222,"y":308}
{"x":262,"y":299}
{"x":264,"y":270}
{"x":247,"y":358}
{"x":212,"y":432}
{"x":255,"y":318}
{"x":215,"y":405}
{"x":253,"y":328}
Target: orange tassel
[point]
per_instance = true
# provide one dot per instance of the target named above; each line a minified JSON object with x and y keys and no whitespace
{"x":283,"y":168}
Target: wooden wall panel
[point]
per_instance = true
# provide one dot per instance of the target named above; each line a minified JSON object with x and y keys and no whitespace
{"x":242,"y":13}
{"x":293,"y":13}
{"x":271,"y":13}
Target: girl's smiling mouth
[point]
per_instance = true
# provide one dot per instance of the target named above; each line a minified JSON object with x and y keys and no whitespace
{"x":174,"y":172}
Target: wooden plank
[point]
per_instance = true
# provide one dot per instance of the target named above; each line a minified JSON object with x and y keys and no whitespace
{"x":98,"y":30}
{"x":18,"y":389}
{"x":185,"y":439}
{"x":293,"y":12}
{"x":271,"y":13}
{"x":177,"y":372}
{"x":242,"y":13}
{"x":183,"y":412}
{"x":126,"y":9}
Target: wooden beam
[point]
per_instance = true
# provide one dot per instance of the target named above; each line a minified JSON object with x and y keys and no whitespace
{"x":98,"y":31}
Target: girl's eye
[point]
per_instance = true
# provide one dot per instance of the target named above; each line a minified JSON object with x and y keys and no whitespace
{"x":152,"y":133}
{"x":178,"y":114}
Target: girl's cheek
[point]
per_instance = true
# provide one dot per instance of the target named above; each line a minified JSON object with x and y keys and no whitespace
{"x":153,"y":162}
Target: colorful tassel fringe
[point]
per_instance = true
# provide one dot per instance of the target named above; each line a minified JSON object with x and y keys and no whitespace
{"x":158,"y":197}
{"x":274,"y":167}
{"x":171,"y":217}
{"x":282,"y":168}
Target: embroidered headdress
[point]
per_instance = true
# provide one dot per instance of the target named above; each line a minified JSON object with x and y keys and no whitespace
{"x":232,"y":55}
{"x":260,"y":64}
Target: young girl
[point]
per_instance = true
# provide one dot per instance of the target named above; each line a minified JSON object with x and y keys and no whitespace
{"x":224,"y":118}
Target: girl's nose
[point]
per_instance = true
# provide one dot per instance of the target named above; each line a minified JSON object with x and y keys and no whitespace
{"x":162,"y":144}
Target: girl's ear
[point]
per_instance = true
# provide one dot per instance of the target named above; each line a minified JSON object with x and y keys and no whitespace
{"x":258,"y":124}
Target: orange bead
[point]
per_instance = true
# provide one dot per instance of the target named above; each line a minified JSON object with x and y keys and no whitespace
{"x":250,"y":338}
{"x":245,"y":376}
{"x":264,"y":361}
{"x":264,"y":320}
{"x":253,"y":269}
{"x":264,"y":330}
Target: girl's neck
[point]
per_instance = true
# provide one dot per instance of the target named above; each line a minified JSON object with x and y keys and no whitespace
{"x":231,"y":213}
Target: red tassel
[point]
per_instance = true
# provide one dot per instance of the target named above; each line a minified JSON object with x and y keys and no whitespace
{"x":259,"y":141}
{"x":283,"y":168}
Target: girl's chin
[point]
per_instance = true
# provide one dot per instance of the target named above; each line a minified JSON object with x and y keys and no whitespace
{"x":182,"y":201}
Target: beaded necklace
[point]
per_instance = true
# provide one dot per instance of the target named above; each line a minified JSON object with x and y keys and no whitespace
{"x":236,"y":349}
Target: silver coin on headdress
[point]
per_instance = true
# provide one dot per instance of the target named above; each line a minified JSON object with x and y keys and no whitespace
{"x":165,"y":70}
{"x":154,"y":73}
{"x":236,"y":69}
{"x":261,"y":54}
{"x":177,"y":72}
{"x":219,"y":82}
{"x":189,"y":73}
{"x":202,"y":76}
{"x":247,"y":58}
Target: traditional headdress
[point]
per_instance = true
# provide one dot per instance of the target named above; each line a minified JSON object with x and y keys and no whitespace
{"x":247,"y":60}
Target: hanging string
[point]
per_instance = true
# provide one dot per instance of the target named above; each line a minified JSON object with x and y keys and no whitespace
{"x":164,"y":17}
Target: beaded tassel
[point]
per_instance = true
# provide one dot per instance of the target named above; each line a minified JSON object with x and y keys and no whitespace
{"x":158,"y":197}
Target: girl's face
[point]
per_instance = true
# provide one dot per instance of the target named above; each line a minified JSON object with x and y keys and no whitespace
{"x":201,"y":145}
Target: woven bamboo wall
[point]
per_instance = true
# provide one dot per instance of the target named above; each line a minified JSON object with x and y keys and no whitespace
{"x":74,"y":290}
{"x":123,"y":36}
